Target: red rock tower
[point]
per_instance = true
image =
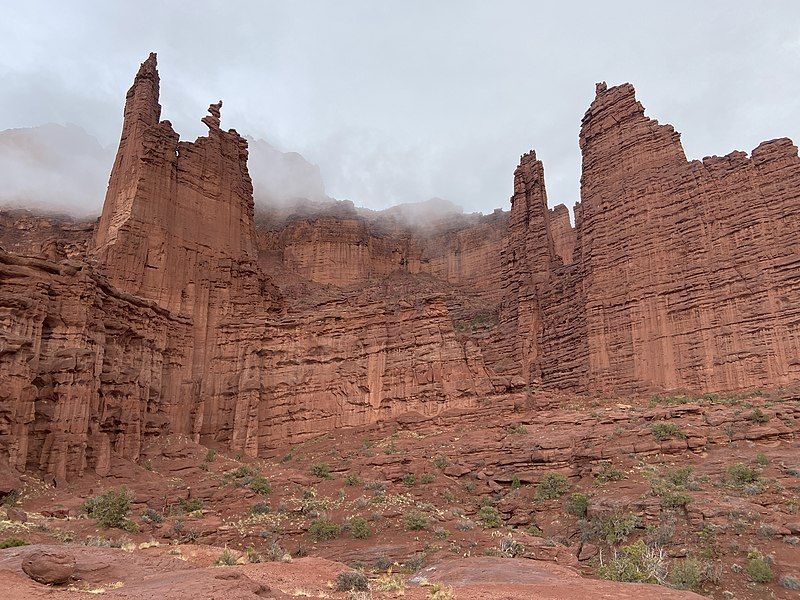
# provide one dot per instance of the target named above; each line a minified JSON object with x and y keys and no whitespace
{"x":176,"y":214}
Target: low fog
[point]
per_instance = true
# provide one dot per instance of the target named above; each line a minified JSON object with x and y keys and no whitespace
{"x":394,"y":102}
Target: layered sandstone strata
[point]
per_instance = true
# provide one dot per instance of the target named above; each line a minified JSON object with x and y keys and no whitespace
{"x":691,"y":269}
{"x":183,"y":316}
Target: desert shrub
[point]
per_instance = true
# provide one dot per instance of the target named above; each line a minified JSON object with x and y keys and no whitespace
{"x":152,"y":516}
{"x":666,"y":431}
{"x":12,"y":542}
{"x":390,"y":582}
{"x":211,"y":455}
{"x":758,"y":569}
{"x":226,"y":559}
{"x":352,"y":480}
{"x":440,"y":462}
{"x":740,"y":475}
{"x":535,"y":531}
{"x":110,"y":509}
{"x":675,"y":500}
{"x":260,"y":508}
{"x":790,"y":582}
{"x":516,"y":483}
{"x":415,"y":521}
{"x":758,"y":416}
{"x":260,"y":485}
{"x":409,"y":479}
{"x":321,"y":470}
{"x":439,"y":591}
{"x":553,"y":485}
{"x":510,"y":547}
{"x":680,"y":477}
{"x":637,"y":562}
{"x":608,"y":473}
{"x":243,"y":472}
{"x":427,"y":478}
{"x":323,"y":529}
{"x":518,"y":429}
{"x":489,"y":516}
{"x":762,"y":459}
{"x":415,"y":562}
{"x":687,"y":574}
{"x":359,"y":528}
{"x":190,"y":505}
{"x":578,"y":505}
{"x":352,"y":581}
{"x":618,"y":526}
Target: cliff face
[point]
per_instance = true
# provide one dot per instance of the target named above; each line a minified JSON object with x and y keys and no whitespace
{"x":690,"y":268}
{"x":175,"y":313}
{"x":165,"y":323}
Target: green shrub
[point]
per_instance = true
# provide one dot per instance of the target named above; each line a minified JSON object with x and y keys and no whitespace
{"x":617,"y":527}
{"x":608,"y":473}
{"x":516,"y":483}
{"x":415,"y":521}
{"x":675,"y":500}
{"x":190,"y":505}
{"x":740,"y":475}
{"x":409,"y":479}
{"x":440,"y":462}
{"x":211,"y":455}
{"x":553,"y":485}
{"x":762,"y":459}
{"x":352,"y":581}
{"x":226,"y":559}
{"x":635,"y":563}
{"x":352,"y":480}
{"x":110,"y":509}
{"x":666,"y":431}
{"x":260,"y":485}
{"x":12,"y":542}
{"x":323,"y":529}
{"x":243,"y":472}
{"x":687,"y":574}
{"x":427,"y":478}
{"x":489,"y":516}
{"x":758,"y":416}
{"x":260,"y":508}
{"x":321,"y":470}
{"x":578,"y":505}
{"x":359,"y":528}
{"x":680,"y":477}
{"x":519,"y":429}
{"x":758,"y":569}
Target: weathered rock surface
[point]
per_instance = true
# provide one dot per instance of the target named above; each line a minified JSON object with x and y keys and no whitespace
{"x":177,"y":313}
{"x":690,"y":268}
{"x":49,"y":566}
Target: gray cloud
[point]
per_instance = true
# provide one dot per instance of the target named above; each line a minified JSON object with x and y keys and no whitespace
{"x":400,"y":101}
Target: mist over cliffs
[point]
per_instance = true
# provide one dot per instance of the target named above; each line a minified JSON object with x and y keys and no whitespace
{"x":254,"y":332}
{"x":64,"y":169}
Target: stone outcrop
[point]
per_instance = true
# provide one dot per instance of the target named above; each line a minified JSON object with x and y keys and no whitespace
{"x":690,"y":268}
{"x":179,"y":313}
{"x":166,"y":323}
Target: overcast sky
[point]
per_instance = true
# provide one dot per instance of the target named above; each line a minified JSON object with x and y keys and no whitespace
{"x":401,"y":101}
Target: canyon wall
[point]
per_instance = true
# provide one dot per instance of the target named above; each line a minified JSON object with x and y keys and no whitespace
{"x":177,"y":313}
{"x":690,"y":268}
{"x":164,"y":322}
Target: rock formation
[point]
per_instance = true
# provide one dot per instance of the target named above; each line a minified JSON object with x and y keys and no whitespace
{"x":178,"y":313}
{"x":690,"y":269}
